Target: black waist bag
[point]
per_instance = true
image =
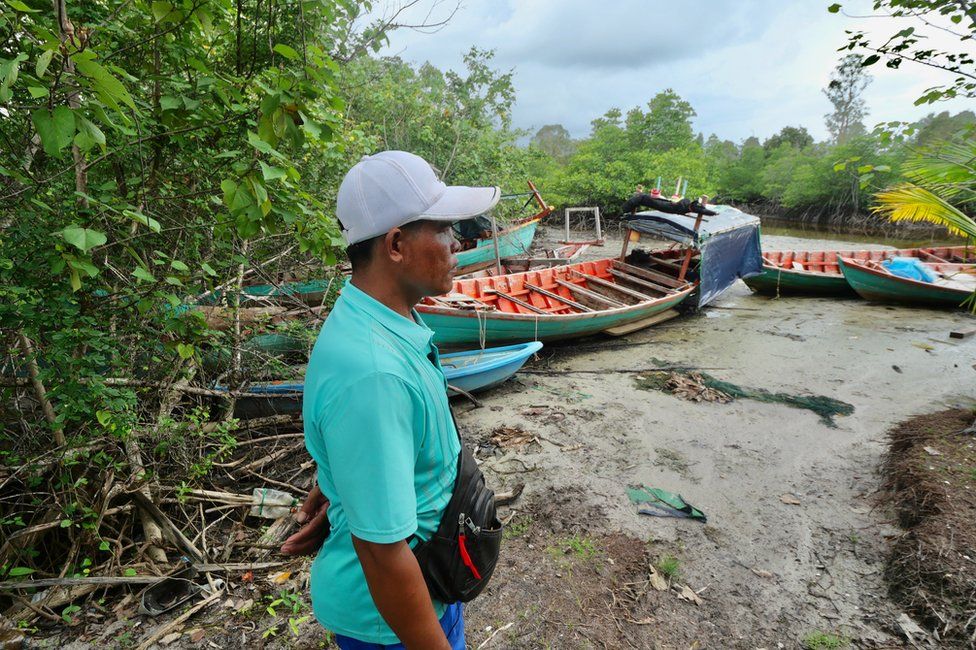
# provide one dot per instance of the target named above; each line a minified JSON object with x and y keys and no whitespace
{"x":458,"y":560}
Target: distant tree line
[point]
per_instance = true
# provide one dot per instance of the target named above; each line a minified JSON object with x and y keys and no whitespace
{"x":788,"y":174}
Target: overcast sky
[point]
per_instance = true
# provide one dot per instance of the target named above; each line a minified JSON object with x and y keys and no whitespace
{"x":748,"y":67}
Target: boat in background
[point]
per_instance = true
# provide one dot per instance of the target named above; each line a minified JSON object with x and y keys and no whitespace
{"x":818,"y":272}
{"x":871,"y":280}
{"x":469,"y":371}
{"x":542,"y":259}
{"x":550,"y":304}
{"x":480,"y":246}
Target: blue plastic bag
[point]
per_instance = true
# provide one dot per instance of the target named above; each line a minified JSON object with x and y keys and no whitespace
{"x":911,"y":268}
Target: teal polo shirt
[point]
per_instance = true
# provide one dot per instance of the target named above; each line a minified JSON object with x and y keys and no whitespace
{"x":378,"y":425}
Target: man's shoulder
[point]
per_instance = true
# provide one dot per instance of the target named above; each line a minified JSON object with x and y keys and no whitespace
{"x":353,"y":345}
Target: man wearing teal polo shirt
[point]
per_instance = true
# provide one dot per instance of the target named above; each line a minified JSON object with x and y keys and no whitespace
{"x":377,"y":420}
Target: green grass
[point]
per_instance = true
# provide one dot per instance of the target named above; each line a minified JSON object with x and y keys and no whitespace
{"x":581,"y":548}
{"x":668,"y":566}
{"x":824,"y":641}
{"x":517,"y":527}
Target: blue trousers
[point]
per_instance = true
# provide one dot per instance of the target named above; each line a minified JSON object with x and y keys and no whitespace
{"x":452,"y":622}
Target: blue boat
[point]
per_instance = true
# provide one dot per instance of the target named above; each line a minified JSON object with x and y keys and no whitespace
{"x":475,"y":370}
{"x":470,"y":371}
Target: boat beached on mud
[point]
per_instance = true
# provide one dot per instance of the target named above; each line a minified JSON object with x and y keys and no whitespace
{"x":872,"y":280}
{"x":550,"y":304}
{"x":818,"y":272}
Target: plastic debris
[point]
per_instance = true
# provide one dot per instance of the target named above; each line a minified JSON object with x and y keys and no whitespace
{"x":656,"y":502}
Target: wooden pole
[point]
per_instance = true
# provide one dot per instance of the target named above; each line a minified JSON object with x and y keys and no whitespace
{"x":494,"y":239}
{"x":623,"y":250}
{"x":687,"y":260}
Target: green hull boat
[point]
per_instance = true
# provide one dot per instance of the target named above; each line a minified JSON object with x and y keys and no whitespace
{"x":872,"y":281}
{"x":550,"y":304}
{"x":512,"y":242}
{"x":818,"y":272}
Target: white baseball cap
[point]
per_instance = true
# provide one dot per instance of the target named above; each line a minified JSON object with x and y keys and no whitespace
{"x":393,"y":188}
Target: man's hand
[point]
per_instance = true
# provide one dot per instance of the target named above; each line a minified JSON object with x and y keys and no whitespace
{"x":313,"y":514}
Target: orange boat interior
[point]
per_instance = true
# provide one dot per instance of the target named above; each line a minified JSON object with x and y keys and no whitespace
{"x":826,"y":261}
{"x":570,"y":289}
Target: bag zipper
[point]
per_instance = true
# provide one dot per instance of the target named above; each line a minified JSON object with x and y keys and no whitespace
{"x":462,"y":546}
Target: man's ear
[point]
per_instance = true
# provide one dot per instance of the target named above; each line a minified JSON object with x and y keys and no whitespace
{"x":393,"y":244}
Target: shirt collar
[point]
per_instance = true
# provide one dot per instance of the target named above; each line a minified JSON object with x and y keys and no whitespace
{"x":413,"y":331}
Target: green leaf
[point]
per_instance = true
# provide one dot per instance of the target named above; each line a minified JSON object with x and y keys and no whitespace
{"x":208,"y":269}
{"x":271,"y":172}
{"x":841,"y":166}
{"x":56,"y":129}
{"x":173,"y":280}
{"x":65,"y":523}
{"x":103,"y":417}
{"x":144,"y":219}
{"x":92,"y":131}
{"x":19,"y":571}
{"x":143,"y":273}
{"x":20,"y":6}
{"x":108,"y":88}
{"x":285,"y":51}
{"x":169,"y":103}
{"x":871,"y":60}
{"x":75,"y":279}
{"x":185,"y":350}
{"x":43,"y":61}
{"x":104,"y":546}
{"x":160,"y":10}
{"x":863,"y":169}
{"x":834,"y":8}
{"x":179,"y":266}
{"x":129,"y":573}
{"x":83,"y":239}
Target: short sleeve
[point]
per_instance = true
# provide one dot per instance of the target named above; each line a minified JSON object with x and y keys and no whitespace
{"x":369,"y":439}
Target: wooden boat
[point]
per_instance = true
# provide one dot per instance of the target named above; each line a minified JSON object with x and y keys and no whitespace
{"x":478,"y":242}
{"x":555,"y":303}
{"x":514,"y":240}
{"x":470,"y":371}
{"x":872,"y":281}
{"x":542,"y":259}
{"x":818,"y":272}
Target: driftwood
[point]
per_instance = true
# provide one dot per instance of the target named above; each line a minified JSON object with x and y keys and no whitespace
{"x":505,"y":498}
{"x":176,"y":535}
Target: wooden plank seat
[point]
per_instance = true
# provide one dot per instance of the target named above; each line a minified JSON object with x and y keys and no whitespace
{"x":667,"y":263}
{"x":646,"y":284}
{"x":600,"y":282}
{"x":599,"y":298}
{"x":558,"y":298}
{"x":653,"y":276}
{"x":517,"y":301}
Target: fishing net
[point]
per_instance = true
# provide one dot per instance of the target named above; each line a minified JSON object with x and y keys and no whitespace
{"x":702,"y":387}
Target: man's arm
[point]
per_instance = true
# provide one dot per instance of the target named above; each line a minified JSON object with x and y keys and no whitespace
{"x":400,"y":593}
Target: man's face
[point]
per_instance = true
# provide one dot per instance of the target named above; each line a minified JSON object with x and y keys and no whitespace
{"x":428,"y":262}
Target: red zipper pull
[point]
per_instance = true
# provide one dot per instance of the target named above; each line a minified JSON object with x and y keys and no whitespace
{"x":467,"y":558}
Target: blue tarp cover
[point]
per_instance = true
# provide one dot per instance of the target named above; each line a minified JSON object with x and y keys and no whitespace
{"x":728,"y":243}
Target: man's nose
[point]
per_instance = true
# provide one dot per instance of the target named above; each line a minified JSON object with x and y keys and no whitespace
{"x":455,"y":243}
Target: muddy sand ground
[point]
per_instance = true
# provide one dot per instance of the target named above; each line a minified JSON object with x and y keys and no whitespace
{"x":795,"y":545}
{"x":795,"y":541}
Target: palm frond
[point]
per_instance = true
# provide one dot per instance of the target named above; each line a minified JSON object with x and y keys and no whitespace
{"x":909,"y":202}
{"x":948,"y":168}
